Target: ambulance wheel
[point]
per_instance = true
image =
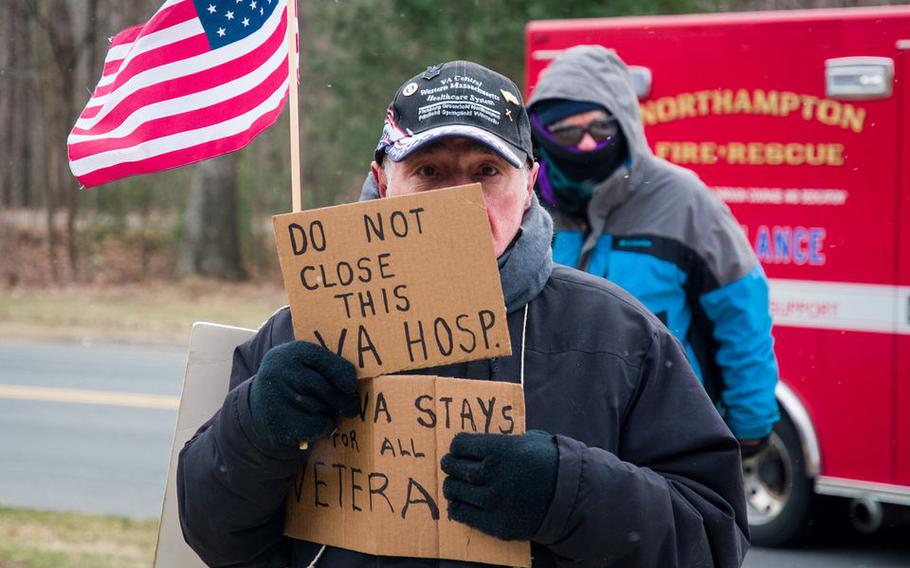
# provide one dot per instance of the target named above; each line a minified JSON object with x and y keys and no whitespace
{"x":779,"y":494}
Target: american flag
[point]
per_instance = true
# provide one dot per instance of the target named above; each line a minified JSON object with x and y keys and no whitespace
{"x":200,"y":79}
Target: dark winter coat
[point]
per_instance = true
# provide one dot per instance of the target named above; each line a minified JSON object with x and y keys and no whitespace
{"x":649,"y":475}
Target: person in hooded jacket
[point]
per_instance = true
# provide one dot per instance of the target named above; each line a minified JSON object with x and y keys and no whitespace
{"x":654,"y":229}
{"x":625,"y":462}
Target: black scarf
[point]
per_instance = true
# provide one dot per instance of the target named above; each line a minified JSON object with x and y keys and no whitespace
{"x":570,"y":175}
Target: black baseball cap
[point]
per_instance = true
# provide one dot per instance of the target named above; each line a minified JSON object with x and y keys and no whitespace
{"x":458,"y":98}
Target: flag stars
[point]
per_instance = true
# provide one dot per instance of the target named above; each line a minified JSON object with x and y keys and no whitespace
{"x":225,"y":21}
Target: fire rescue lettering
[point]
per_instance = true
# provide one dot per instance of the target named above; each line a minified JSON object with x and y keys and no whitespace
{"x":759,"y":102}
{"x":751,"y":153}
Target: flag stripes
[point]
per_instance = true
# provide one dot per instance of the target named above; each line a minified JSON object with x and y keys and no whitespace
{"x":166,"y":158}
{"x":217,"y":80}
{"x":149,"y":126}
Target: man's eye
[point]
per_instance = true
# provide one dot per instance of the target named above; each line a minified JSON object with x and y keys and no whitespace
{"x":488,"y":171}
{"x":427,"y":171}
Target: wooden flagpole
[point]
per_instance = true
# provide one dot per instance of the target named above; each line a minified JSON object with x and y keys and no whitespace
{"x":292,"y":100}
{"x":295,"y":121}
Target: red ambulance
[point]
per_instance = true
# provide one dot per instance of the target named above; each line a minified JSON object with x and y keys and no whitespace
{"x":800,"y":122}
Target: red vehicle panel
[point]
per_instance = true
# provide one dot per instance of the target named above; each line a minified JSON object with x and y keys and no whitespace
{"x":760,"y":107}
{"x":902,"y":398}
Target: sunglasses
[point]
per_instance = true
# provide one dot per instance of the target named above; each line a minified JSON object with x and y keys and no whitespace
{"x":600,"y":131}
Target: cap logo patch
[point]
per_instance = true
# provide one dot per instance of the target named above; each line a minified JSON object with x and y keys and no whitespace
{"x":409,"y":90}
{"x":432,"y":72}
{"x":509,"y":97}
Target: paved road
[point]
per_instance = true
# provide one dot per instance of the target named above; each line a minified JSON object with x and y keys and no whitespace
{"x":112,"y":457}
{"x":86,"y":457}
{"x":839,"y":549}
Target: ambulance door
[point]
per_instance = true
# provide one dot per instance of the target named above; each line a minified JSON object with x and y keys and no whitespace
{"x":902,"y":400}
{"x":855,"y":376}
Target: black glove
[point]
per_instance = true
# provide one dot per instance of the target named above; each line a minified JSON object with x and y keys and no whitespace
{"x":751,"y":448}
{"x":298,"y":393}
{"x":501,"y":484}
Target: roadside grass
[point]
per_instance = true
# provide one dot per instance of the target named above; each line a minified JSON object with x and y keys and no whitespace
{"x":43,"y":539}
{"x":158,"y":313}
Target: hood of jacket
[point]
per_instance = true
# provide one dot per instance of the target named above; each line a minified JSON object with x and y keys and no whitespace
{"x":592,"y":73}
{"x":525,"y":266}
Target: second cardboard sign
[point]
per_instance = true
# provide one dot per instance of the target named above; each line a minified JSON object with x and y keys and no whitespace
{"x":375,"y":486}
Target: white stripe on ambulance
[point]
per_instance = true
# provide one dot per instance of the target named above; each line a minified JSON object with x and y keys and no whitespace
{"x":843,"y":306}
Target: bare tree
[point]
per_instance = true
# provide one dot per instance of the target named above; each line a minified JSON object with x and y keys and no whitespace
{"x":61,"y":38}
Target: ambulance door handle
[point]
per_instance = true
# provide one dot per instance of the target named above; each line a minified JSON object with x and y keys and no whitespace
{"x":859,"y":78}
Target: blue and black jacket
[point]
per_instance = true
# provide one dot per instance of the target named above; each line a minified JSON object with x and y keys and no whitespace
{"x":654,"y":229}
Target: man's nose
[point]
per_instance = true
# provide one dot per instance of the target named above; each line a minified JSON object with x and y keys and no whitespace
{"x":587,"y":143}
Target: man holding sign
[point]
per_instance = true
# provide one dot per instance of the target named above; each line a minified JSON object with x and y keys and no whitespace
{"x":625,"y":462}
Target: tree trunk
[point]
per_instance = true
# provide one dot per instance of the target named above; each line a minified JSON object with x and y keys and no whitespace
{"x":211,"y":246}
{"x":84,"y":59}
{"x":7,"y":50}
{"x":19,"y":85}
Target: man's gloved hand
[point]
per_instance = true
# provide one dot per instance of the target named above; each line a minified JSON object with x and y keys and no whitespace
{"x":751,"y":448}
{"x":501,"y":484}
{"x":298,"y":393}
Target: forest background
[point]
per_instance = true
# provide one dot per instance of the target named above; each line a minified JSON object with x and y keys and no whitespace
{"x":211,"y":220}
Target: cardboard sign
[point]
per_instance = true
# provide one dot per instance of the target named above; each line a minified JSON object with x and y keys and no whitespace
{"x":375,"y":486}
{"x":396,"y":284}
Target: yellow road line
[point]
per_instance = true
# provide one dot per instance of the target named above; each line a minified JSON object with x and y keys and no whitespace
{"x":78,"y":396}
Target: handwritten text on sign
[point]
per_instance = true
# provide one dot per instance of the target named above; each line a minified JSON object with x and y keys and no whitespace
{"x":375,"y":486}
{"x":396,"y":284}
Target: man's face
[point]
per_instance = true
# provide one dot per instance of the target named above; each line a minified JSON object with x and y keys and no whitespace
{"x":459,"y":161}
{"x":584,"y":120}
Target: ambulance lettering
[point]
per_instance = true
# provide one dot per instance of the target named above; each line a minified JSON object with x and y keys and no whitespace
{"x":790,"y":245}
{"x":708,"y":153}
{"x":721,"y":102}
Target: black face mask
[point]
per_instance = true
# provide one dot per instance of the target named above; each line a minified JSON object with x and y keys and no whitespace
{"x":594,"y":166}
